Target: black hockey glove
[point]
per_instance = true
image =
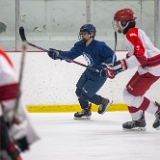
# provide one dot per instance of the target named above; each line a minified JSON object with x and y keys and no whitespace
{"x":22,"y":144}
{"x":103,"y":70}
{"x":54,"y":54}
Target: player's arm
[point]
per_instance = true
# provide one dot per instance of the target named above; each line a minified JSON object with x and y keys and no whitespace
{"x":108,"y":54}
{"x":109,"y":57}
{"x":121,"y":65}
{"x":74,"y":52}
{"x":135,"y":43}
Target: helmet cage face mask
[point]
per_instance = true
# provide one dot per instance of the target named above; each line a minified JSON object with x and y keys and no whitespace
{"x":122,"y":25}
{"x":80,"y":35}
{"x":114,"y":24}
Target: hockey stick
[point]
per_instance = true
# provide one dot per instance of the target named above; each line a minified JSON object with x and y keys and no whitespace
{"x":15,"y":119}
{"x":115,"y":37}
{"x":114,"y":56}
{"x":23,"y":37}
{"x":115,"y":46}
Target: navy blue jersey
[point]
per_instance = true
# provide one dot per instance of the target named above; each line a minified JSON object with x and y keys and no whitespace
{"x":95,"y":54}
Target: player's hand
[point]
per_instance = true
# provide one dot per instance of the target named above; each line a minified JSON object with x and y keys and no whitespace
{"x":110,"y":71}
{"x":53,"y":53}
{"x":103,"y":70}
{"x":23,"y":144}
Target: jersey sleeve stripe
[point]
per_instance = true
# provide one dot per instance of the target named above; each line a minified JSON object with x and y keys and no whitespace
{"x":8,"y":92}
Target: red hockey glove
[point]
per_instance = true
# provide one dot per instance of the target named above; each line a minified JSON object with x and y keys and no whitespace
{"x":117,"y":67}
{"x":110,"y":71}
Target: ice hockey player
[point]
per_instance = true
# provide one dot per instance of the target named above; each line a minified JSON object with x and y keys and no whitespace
{"x":16,"y":131}
{"x":144,"y":55}
{"x":95,"y":52}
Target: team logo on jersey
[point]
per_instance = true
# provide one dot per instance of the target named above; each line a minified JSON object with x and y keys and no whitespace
{"x":88,"y":59}
{"x":133,"y":34}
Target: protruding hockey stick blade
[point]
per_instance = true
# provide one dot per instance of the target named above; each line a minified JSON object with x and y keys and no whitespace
{"x":22,"y":34}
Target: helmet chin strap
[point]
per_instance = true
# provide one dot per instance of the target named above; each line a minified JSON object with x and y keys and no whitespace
{"x":122,"y":27}
{"x":91,"y":36}
{"x":79,"y":37}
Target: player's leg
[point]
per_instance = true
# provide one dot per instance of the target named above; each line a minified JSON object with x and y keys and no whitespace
{"x":156,"y":123}
{"x":90,"y":89}
{"x":85,"y":113}
{"x":137,"y":103}
{"x":138,"y":119}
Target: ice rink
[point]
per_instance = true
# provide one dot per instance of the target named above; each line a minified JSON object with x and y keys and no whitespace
{"x":101,"y":138}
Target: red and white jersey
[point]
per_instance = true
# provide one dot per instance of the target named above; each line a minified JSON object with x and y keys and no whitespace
{"x":8,"y":95}
{"x":142,"y":53}
{"x":8,"y":82}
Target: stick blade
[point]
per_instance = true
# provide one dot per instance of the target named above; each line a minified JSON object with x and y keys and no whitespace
{"x":22,"y":34}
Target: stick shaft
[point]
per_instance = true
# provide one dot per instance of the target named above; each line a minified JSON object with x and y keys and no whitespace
{"x":15,"y":119}
{"x":115,"y":46}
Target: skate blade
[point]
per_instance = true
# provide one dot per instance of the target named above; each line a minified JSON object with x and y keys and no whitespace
{"x":106,"y":107}
{"x":135,"y":129}
{"x":82,"y":118}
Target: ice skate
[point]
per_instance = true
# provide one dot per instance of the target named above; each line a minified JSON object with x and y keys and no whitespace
{"x":104,"y":106}
{"x":137,"y":125}
{"x":156,"y":123}
{"x":84,"y":114}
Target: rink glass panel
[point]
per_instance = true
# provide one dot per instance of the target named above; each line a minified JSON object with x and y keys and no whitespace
{"x":56,"y":23}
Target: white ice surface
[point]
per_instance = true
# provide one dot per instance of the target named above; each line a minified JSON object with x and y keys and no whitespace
{"x":101,"y":138}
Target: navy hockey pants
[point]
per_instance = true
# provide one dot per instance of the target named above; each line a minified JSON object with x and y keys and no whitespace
{"x":87,"y":87}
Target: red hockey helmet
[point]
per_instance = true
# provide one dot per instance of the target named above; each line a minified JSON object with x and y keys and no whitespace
{"x":125,"y":14}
